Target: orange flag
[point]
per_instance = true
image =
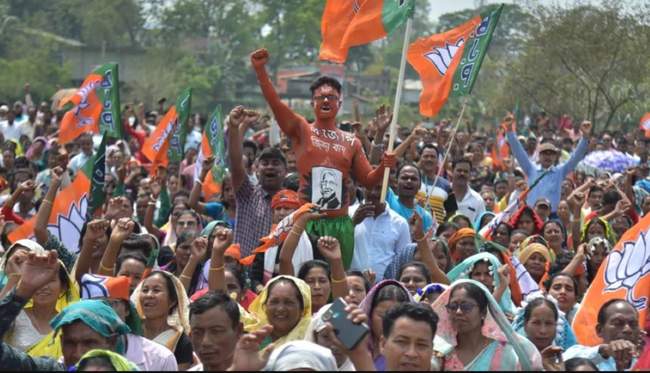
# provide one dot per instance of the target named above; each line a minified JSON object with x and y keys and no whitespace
{"x":644,"y":124}
{"x":348,"y":23}
{"x":156,"y":146}
{"x":449,"y":63}
{"x":84,"y":117}
{"x":436,"y":59}
{"x":624,"y":274}
{"x":69,"y":213}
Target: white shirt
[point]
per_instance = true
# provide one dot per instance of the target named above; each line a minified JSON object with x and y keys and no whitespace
{"x":472,"y":205}
{"x":377,"y":240}
{"x":78,"y":161}
{"x":11,"y":132}
{"x":148,"y":355}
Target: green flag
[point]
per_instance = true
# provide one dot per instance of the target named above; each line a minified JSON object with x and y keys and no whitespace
{"x":110,"y":120}
{"x":177,"y":141}
{"x":215,"y":136}
{"x":475,"y":48}
{"x":97,"y":177}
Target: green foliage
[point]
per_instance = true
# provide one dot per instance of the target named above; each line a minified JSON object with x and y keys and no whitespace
{"x":36,"y":69}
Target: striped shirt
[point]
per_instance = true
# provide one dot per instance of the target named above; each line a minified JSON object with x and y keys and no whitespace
{"x":254,"y":216}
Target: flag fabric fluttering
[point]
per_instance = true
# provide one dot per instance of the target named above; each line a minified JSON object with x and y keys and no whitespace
{"x":448,"y":63}
{"x":97,"y":195}
{"x":624,"y":274}
{"x":177,"y":140}
{"x":644,"y":124}
{"x":349,"y":23}
{"x":69,"y":212}
{"x":157,"y":146}
{"x":212,"y":144}
{"x":96,"y":106}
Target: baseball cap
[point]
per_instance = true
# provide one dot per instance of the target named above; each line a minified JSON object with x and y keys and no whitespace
{"x":547,"y":146}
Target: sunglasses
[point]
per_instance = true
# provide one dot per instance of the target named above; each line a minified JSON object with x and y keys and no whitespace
{"x":464,"y":307}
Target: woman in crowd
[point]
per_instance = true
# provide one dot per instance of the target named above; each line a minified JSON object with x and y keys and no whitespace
{"x":555,"y":235}
{"x":527,"y":220}
{"x":285,"y":304}
{"x":543,"y":324}
{"x":414,"y":276}
{"x":564,"y":289}
{"x":597,"y":250}
{"x":537,"y":260}
{"x":380,"y":299}
{"x":462,"y":245}
{"x":474,"y":334}
{"x":164,"y":307}
{"x":358,"y":287}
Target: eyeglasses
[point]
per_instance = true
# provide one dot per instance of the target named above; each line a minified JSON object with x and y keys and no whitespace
{"x":464,"y":307}
{"x":326,"y":97}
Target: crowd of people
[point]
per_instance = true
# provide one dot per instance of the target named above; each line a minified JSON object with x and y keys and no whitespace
{"x":477,"y":259}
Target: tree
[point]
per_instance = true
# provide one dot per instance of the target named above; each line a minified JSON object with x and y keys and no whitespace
{"x":588,"y":61}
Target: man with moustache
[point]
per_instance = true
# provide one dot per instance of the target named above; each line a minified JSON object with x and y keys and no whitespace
{"x":469,"y":201}
{"x":321,"y":148}
{"x":433,"y":196}
{"x":404,"y":203}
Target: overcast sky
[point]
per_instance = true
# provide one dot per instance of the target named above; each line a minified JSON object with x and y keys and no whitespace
{"x":439,"y":7}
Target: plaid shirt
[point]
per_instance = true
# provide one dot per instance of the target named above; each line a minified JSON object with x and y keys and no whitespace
{"x":254,"y":216}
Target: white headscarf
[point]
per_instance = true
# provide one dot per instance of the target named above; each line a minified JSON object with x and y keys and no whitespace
{"x":301,"y":354}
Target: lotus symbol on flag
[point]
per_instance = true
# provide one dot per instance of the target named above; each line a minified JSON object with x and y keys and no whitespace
{"x":442,"y":56}
{"x":626,"y":267}
{"x":67,"y":228}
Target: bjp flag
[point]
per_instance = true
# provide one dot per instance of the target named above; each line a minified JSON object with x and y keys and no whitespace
{"x":96,"y":106}
{"x":348,"y":23}
{"x":624,"y":274}
{"x":448,"y":63}
{"x":212,"y":144}
{"x":69,"y":212}
{"x":644,"y":124}
{"x":168,"y":137}
{"x":500,"y":151}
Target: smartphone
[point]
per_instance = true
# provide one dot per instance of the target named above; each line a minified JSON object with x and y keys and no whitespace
{"x":349,"y":333}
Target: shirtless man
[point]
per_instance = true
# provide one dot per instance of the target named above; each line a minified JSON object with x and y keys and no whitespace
{"x":323,"y":150}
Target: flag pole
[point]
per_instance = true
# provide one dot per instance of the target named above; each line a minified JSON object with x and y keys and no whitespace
{"x":398,"y":99}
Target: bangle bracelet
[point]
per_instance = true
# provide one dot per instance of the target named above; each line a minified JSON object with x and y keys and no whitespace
{"x":295,"y":232}
{"x":151,"y":203}
{"x":217,"y":268}
{"x":335,"y":281}
{"x":185,"y":276}
{"x":111,"y":269}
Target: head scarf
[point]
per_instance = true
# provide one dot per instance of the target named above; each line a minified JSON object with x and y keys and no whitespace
{"x":532,"y":248}
{"x":179,"y":318}
{"x":459,"y":215}
{"x":609,"y":232}
{"x":464,"y":269}
{"x":564,"y":336}
{"x":537,"y":221}
{"x":495,"y":326}
{"x":119,"y":363}
{"x":316,"y":325}
{"x":258,"y":310}
{"x":301,"y":354}
{"x":285,"y":198}
{"x":233,"y":251}
{"x":460,"y":234}
{"x":97,"y":286}
{"x":367,"y":306}
{"x":477,"y":221}
{"x":207,"y":231}
{"x":96,"y":314}
{"x":430,"y":288}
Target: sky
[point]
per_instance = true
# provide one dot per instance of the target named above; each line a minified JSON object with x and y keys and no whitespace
{"x":440,"y":7}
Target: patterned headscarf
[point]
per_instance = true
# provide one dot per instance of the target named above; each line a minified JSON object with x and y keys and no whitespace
{"x":460,"y":234}
{"x":119,"y":363}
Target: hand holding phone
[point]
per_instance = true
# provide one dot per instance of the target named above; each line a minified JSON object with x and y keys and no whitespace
{"x":349,"y":327}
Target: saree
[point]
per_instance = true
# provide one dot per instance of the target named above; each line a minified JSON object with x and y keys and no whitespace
{"x":507,"y":350}
{"x":464,"y":269}
{"x":564,"y":336}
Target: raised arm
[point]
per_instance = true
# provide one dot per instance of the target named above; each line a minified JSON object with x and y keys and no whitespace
{"x":197,"y":254}
{"x":580,"y":151}
{"x":122,"y":230}
{"x":288,"y":121}
{"x":424,"y":249}
{"x":216,"y":273}
{"x":44,"y":211}
{"x":518,"y":151}
{"x":301,"y":218}
{"x":94,"y":231}
{"x":195,"y":194}
{"x":235,"y":151}
{"x":363,"y":171}
{"x":330,"y":248}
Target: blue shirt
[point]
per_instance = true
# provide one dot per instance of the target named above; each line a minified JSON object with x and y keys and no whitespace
{"x":551,"y":184}
{"x":591,"y":353}
{"x":393,"y":201}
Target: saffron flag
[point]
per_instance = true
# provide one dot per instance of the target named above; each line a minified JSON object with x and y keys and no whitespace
{"x":448,"y":63}
{"x":348,"y":23}
{"x":69,"y":212}
{"x":500,"y":151}
{"x":156,"y":146}
{"x":644,"y":124}
{"x":96,"y":106}
{"x":212,"y":144}
{"x":177,"y":141}
{"x":622,"y":275}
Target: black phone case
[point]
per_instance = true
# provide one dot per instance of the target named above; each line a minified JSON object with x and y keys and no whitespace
{"x":349,"y":333}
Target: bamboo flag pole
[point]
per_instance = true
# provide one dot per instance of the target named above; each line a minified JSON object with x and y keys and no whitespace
{"x":398,"y":99}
